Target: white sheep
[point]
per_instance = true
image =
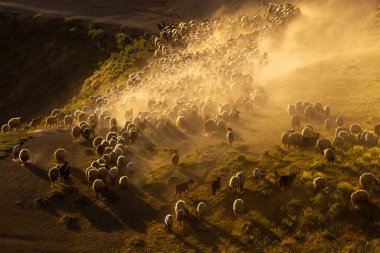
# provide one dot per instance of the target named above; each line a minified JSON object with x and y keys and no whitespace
{"x":181,"y":205}
{"x":367,"y":179}
{"x":97,"y":141}
{"x":235,"y":183}
{"x":338,"y":142}
{"x":238,"y":207}
{"x":113,"y":174}
{"x":339,"y":121}
{"x":124,"y":183}
{"x":131,"y":168}
{"x":291,"y":110}
{"x":53,"y":175}
{"x":24,"y":156}
{"x":98,"y":186}
{"x":169,"y":220}
{"x":355,"y":129}
{"x":359,"y":197}
{"x":323,"y":144}
{"x":16,"y":150}
{"x":121,"y":163}
{"x":329,"y":155}
{"x":319,"y":183}
{"x":60,"y":155}
{"x":5,"y":128}
{"x":295,"y":121}
{"x":68,"y":121}
{"x":201,"y":209}
{"x":92,"y":175}
{"x":258,"y":174}
{"x":295,"y":140}
{"x":102,"y":173}
{"x":14,"y":123}
{"x":230,"y":136}
{"x":51,"y":121}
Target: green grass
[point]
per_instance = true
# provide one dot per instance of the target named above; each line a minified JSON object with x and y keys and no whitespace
{"x":9,"y":140}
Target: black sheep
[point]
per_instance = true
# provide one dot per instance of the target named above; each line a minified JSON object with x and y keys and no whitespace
{"x":215,"y":186}
{"x":286,"y":180}
{"x":64,"y":171}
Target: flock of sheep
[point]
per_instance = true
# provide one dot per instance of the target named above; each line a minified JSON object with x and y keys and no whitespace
{"x":201,"y":79}
{"x":344,"y":137}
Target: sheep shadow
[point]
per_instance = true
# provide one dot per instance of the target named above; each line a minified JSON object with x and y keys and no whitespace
{"x":37,"y":171}
{"x":134,"y":212}
{"x":185,"y":243}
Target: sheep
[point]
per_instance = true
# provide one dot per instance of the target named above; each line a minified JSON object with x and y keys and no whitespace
{"x":377,"y":130}
{"x":17,"y":149}
{"x":15,"y":123}
{"x":24,"y":156}
{"x":329,"y":155}
{"x":258,"y":174}
{"x":183,"y":187}
{"x":113,"y":174}
{"x":68,"y":121}
{"x":370,"y":140}
{"x":35,"y":122}
{"x":241,"y":176}
{"x":60,"y":155}
{"x":339,"y":121}
{"x":295,"y":140}
{"x":215,"y":186}
{"x":103,"y":173}
{"x":53,"y":175}
{"x":323,"y":144}
{"x":328,"y":124}
{"x":121,"y":163}
{"x":5,"y":128}
{"x":180,"y":216}
{"x":338,"y":142}
{"x":359,"y":197}
{"x":76,"y":132}
{"x":318,"y":107}
{"x":341,"y":129}
{"x":169,"y":220}
{"x":319,"y":183}
{"x":291,"y":110}
{"x":235,"y":183}
{"x":327,"y":110}
{"x":175,"y":159}
{"x":295,"y":121}
{"x":310,"y":112}
{"x":230,"y":136}
{"x":201,"y":209}
{"x":238,"y":207}
{"x":64,"y":171}
{"x":284,"y":138}
{"x":355,"y":129}
{"x":131,"y":168}
{"x":51,"y":121}
{"x":124,"y":183}
{"x":180,"y":204}
{"x":286,"y":180}
{"x":367,"y":179}
{"x":92,"y":175}
{"x":210,"y":126}
{"x":98,"y":186}
{"x":95,"y":164}
{"x":299,"y":108}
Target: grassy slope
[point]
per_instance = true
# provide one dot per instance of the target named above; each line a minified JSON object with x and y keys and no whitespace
{"x":44,"y":62}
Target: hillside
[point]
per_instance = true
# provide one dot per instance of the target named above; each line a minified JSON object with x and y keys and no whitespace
{"x":38,"y":217}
